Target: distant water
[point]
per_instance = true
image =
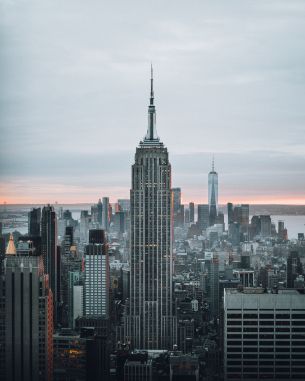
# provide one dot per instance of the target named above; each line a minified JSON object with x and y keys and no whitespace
{"x":294,"y":224}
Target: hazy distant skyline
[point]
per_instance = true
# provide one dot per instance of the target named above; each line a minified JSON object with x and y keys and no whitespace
{"x":229,"y":81}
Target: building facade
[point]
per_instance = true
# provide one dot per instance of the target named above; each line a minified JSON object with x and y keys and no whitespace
{"x":49,"y":248}
{"x":96,"y":288}
{"x":26,"y":320}
{"x":150,"y":322}
{"x":203,"y":216}
{"x":264,"y":335}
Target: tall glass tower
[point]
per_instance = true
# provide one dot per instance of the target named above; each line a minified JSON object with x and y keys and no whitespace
{"x":213,"y":195}
{"x":150,"y":323}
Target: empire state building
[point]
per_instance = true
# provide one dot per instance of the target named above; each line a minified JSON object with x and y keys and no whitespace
{"x":150,"y":323}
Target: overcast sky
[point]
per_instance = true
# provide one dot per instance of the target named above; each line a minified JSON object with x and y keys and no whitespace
{"x":74,"y":90}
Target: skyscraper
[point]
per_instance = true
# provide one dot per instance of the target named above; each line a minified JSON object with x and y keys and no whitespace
{"x":150,"y":322}
{"x":213,"y":195}
{"x":192,"y":211}
{"x":263,"y":335}
{"x":34,"y":222}
{"x":100,"y":212}
{"x":177,"y":199}
{"x":2,"y":247}
{"x":49,"y":248}
{"x":97,"y":278}
{"x":294,"y":268}
{"x":203,"y":216}
{"x":105,"y":213}
{"x":178,"y":208}
{"x":26,"y":317}
{"x":212,"y":267}
{"x":265,"y":226}
{"x":230,"y":213}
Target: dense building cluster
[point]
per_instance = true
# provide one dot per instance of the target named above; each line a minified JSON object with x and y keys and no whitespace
{"x":149,"y":288}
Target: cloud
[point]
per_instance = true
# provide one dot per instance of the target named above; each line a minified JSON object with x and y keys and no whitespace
{"x":229,"y":79}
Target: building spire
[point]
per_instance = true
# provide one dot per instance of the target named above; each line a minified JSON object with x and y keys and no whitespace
{"x":151,"y":135}
{"x":11,"y":248}
{"x":151,"y":85}
{"x":213,"y":164}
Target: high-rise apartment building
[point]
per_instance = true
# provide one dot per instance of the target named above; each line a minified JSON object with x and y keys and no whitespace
{"x":150,"y":322}
{"x":213,"y":195}
{"x":264,"y":335}
{"x":96,"y":289}
{"x":26,"y":318}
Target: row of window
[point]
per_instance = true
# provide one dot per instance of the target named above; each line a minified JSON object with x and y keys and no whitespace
{"x":266,"y":342}
{"x":263,"y":329}
{"x":266,"y":316}
{"x":266,"y":336}
{"x":293,"y":356}
{"x":265,"y":349}
{"x":266,"y":322}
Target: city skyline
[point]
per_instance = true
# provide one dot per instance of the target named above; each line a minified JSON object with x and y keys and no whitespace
{"x":164,"y":245}
{"x":73,"y":104}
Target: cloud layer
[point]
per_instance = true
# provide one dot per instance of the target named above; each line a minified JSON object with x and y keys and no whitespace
{"x":229,"y":80}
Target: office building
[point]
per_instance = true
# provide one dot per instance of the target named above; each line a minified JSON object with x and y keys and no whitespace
{"x":211,"y":267}
{"x":26,"y":317}
{"x":97,"y":281}
{"x":150,"y":322}
{"x":264,"y":335}
{"x":2,"y":248}
{"x":234,"y":233}
{"x":203,"y":216}
{"x":192,"y":212}
{"x":75,"y":296}
{"x":138,"y":367}
{"x":244,"y":214}
{"x":69,"y":356}
{"x":230,"y":213}
{"x":34,"y":218}
{"x":282,"y":231}
{"x":177,"y":199}
{"x":96,"y":236}
{"x":184,"y":367}
{"x":99,"y":208}
{"x":124,"y":205}
{"x":49,"y":249}
{"x":105,"y":214}
{"x":245,"y":277}
{"x":294,"y":268}
{"x":178,"y":208}
{"x":265,"y":222}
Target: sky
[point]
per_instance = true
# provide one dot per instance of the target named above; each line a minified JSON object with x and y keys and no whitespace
{"x":229,"y":80}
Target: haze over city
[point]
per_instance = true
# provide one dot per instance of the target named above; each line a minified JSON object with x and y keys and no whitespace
{"x":229,"y":82}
